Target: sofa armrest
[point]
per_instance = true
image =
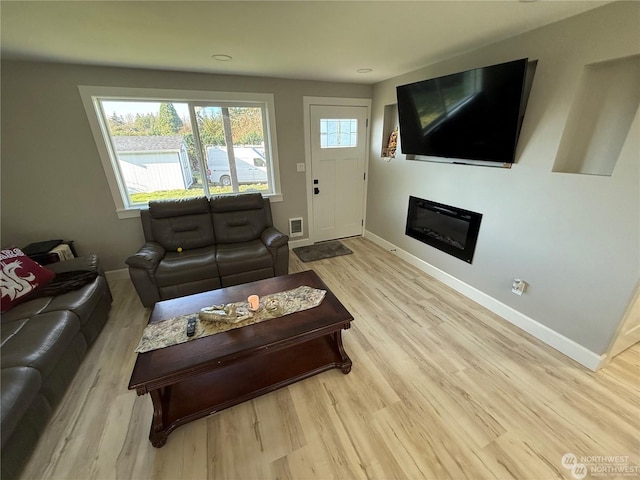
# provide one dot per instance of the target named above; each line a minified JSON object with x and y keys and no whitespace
{"x":88,"y":263}
{"x":147,"y":257}
{"x":273,"y":238}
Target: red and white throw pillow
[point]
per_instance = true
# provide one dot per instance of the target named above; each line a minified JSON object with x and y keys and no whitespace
{"x":20,"y":276}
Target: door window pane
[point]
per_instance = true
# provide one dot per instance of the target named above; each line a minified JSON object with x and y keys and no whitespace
{"x":338,"y":133}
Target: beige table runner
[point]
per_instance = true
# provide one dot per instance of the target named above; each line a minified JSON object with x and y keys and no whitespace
{"x":174,"y":330}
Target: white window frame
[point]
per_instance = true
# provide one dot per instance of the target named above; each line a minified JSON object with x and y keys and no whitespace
{"x":90,"y":96}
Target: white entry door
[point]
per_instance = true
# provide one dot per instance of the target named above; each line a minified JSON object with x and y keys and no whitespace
{"x":338,"y":151}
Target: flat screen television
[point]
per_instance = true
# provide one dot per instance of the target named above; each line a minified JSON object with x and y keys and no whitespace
{"x":472,"y":115}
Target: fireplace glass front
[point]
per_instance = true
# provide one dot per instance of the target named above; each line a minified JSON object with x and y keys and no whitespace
{"x":447,"y":228}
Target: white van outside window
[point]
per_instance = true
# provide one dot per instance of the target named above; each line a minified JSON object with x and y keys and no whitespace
{"x":247,"y":170}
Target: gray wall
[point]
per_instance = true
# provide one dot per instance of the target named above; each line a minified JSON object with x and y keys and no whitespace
{"x":53,"y":183}
{"x":574,"y":238}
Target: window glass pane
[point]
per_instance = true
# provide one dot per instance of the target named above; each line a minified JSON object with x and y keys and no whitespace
{"x":338,"y":133}
{"x":156,"y":154}
{"x":154,"y":149}
{"x":244,"y":167}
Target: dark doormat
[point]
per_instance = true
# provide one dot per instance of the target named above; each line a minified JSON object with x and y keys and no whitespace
{"x":320,"y":251}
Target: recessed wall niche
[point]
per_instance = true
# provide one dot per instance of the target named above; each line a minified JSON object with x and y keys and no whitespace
{"x":389,"y":125}
{"x":600,"y":118}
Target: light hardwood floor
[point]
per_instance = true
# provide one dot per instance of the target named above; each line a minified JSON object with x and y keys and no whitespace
{"x":440,"y":388}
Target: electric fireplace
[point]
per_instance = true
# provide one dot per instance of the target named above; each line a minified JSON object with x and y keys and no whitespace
{"x":450,"y":229}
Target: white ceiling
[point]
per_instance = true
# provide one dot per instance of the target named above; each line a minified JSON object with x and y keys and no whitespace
{"x":319,"y":40}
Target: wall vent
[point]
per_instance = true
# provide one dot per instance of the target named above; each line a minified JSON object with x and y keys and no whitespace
{"x":295,"y":227}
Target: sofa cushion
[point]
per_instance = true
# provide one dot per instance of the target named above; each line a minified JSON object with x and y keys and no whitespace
{"x":81,"y":301}
{"x":243,"y":257}
{"x":239,"y":218}
{"x":236,"y":203}
{"x":73,"y":300}
{"x":20,"y":277}
{"x":20,"y":386}
{"x":177,"y":208}
{"x":187,"y":266}
{"x":25,"y":310}
{"x":38,"y":342}
{"x":181,"y":223}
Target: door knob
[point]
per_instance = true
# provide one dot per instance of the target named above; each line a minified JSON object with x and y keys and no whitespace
{"x":316,"y":190}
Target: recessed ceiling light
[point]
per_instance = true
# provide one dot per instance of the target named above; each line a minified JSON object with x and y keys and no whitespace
{"x":364,"y":70}
{"x":221,"y":57}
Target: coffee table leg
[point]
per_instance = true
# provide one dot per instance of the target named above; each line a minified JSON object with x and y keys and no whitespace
{"x":346,"y":361}
{"x":157,"y":435}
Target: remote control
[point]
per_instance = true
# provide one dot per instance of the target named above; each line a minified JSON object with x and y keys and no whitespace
{"x":191,"y":327}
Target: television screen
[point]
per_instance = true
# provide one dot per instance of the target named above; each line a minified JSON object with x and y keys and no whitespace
{"x":472,"y":115}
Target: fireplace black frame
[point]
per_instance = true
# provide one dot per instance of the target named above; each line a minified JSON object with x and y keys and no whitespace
{"x":473,"y":220}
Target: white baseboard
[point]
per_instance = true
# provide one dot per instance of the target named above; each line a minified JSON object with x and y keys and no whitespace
{"x":564,"y":345}
{"x":305,"y":242}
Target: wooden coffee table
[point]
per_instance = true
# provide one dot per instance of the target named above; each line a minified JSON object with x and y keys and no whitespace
{"x":191,"y":380}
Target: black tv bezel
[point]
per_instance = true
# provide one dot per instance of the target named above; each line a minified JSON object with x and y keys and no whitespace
{"x":473,"y":231}
{"x":524,"y":87}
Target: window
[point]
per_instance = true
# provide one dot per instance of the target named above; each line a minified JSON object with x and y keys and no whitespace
{"x":338,"y":133}
{"x":168,"y":144}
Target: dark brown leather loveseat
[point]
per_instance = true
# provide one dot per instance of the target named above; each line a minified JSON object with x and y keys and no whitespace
{"x":43,"y":343}
{"x":199,"y":244}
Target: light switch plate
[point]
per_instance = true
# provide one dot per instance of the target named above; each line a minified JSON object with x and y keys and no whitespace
{"x":300,"y":167}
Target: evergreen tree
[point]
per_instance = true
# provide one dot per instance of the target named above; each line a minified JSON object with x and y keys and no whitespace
{"x":168,"y":122}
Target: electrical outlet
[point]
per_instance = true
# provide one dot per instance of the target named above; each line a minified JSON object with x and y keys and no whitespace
{"x":518,"y":286}
{"x":300,"y":167}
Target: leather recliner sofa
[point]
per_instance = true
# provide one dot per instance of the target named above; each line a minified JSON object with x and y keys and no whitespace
{"x":44,"y":340}
{"x":198,"y":244}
